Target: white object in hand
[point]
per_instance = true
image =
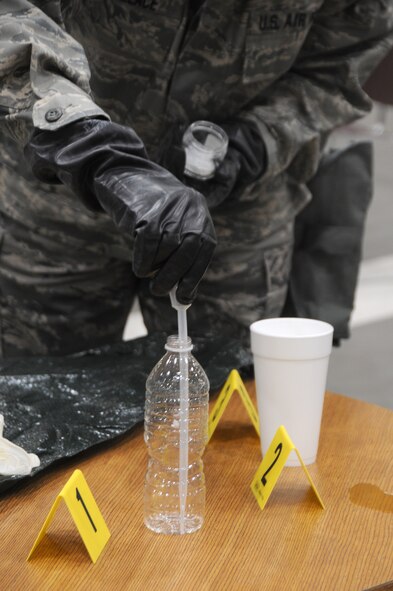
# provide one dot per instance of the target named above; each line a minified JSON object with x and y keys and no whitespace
{"x":205,"y":146}
{"x":14,"y":460}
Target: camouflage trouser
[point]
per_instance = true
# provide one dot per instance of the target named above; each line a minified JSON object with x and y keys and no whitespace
{"x":66,"y":280}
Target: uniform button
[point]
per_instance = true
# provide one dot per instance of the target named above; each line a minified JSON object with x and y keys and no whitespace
{"x":53,"y":115}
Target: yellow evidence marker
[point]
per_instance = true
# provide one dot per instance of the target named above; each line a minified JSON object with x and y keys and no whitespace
{"x":85,"y":513}
{"x":233,"y":383}
{"x":271,"y":467}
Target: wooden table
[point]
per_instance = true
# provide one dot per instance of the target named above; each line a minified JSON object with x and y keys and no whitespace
{"x":292,"y":545}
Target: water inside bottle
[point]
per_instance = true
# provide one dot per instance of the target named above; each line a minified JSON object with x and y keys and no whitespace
{"x":162,"y":501}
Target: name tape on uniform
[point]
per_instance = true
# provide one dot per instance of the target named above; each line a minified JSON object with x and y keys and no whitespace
{"x":233,"y":383}
{"x":85,"y":513}
{"x":271,"y":467}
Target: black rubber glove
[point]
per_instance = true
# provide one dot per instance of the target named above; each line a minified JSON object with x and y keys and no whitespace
{"x":106,"y":165}
{"x":243,"y":164}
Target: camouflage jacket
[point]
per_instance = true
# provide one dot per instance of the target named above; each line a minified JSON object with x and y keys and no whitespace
{"x":295,"y":67}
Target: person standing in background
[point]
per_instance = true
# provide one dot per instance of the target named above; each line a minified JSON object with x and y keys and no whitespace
{"x":94,"y":96}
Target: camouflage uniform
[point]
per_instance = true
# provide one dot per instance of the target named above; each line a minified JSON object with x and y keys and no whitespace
{"x":293,"y":67}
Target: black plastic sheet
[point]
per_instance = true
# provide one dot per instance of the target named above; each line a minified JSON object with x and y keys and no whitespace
{"x":57,"y":407}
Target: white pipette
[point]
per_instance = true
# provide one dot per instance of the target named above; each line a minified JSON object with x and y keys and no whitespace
{"x":184,"y":404}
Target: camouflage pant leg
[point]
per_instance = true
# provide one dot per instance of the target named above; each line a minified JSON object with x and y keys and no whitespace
{"x":66,"y":282}
{"x":247,"y":279}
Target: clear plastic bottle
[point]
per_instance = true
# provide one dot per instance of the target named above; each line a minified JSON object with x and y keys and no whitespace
{"x":164,"y":509}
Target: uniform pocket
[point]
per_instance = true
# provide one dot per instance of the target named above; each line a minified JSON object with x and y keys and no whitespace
{"x":273,"y":42}
{"x":142,"y":32}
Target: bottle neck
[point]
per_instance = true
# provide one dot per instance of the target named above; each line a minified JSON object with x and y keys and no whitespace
{"x":174,"y":344}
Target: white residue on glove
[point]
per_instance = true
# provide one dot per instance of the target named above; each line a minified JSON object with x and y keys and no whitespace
{"x":14,"y":460}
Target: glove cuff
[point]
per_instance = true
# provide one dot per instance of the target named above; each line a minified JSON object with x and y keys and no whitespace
{"x":76,"y":153}
{"x":244,"y":137}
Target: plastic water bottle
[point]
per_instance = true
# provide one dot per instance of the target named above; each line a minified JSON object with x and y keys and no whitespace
{"x":174,"y":502}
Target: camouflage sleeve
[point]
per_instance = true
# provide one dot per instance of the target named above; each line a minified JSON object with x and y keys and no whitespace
{"x":44,"y":74}
{"x":323,"y":88}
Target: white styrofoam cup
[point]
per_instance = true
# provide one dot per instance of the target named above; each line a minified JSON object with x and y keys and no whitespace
{"x":291,"y":357}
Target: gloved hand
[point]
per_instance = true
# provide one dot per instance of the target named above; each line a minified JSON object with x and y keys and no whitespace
{"x":244,"y":162}
{"x":106,"y":165}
